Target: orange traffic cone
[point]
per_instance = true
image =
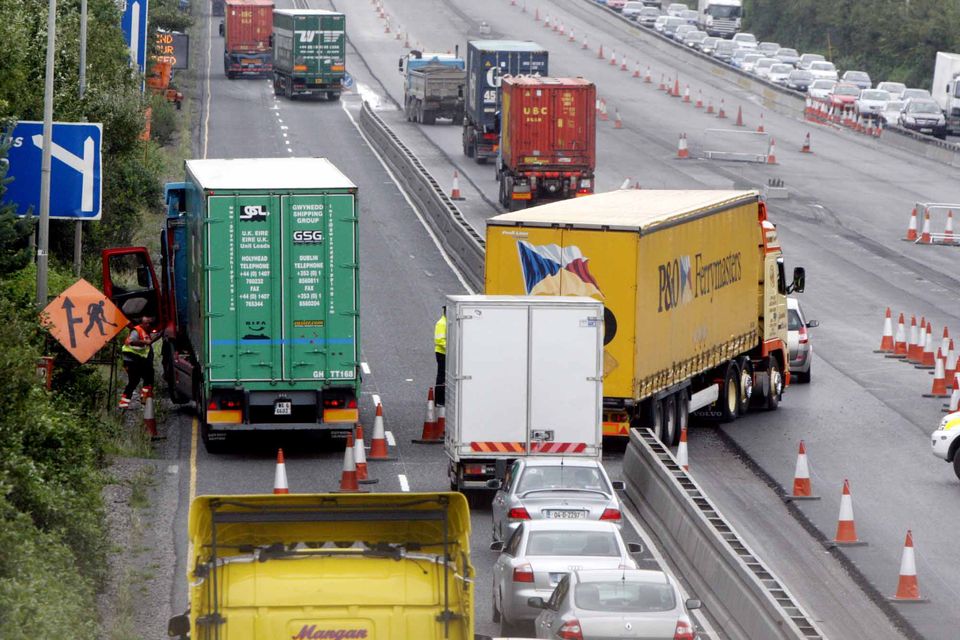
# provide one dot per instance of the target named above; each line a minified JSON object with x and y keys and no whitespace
{"x":928,"y":359}
{"x":455,"y":192}
{"x":349,"y":482}
{"x":603,"y":110}
{"x":801,"y":478}
{"x":429,"y":433}
{"x":682,"y":151}
{"x":900,"y":340}
{"x":617,"y":122}
{"x":600,"y":55}
{"x":772,"y":152}
{"x":441,"y":422}
{"x":623,"y":63}
{"x":721,"y":114}
{"x":939,"y":389}
{"x":912,"y":227}
{"x":925,"y":233}
{"x":636,"y":70}
{"x":613,"y":57}
{"x":806,"y":144}
{"x":846,"y":529}
{"x":663,"y":85}
{"x":710,"y":106}
{"x":647,"y":79}
{"x":907,"y":588}
{"x":676,"y":87}
{"x":948,"y":237}
{"x":546,"y":23}
{"x":686,"y":94}
{"x":915,"y":348}
{"x":760,"y":126}
{"x":360,"y":456}
{"x":585,"y":44}
{"x":739,"y":121}
{"x":378,"y":446}
{"x":149,"y":418}
{"x":886,"y":341}
{"x":699,"y":103}
{"x":280,"y":476}
{"x":571,"y":37}
{"x":945,"y":341}
{"x":955,"y":396}
{"x":950,"y":365}
{"x":682,"y":455}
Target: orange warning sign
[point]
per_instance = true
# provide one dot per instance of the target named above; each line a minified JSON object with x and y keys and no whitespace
{"x":83,"y":320}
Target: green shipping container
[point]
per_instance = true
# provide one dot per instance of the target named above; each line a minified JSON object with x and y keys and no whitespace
{"x":274,"y":251}
{"x":309,"y":45}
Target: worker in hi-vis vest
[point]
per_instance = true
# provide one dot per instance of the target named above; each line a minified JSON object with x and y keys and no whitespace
{"x":440,"y":347}
{"x":137,"y":355}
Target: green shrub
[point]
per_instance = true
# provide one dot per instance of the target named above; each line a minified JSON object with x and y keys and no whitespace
{"x":163,"y":122}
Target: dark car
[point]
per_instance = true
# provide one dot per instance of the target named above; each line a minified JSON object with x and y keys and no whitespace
{"x":923,"y":116}
{"x":800,"y":80}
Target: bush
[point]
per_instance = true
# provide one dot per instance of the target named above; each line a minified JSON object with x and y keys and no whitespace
{"x":163,"y":122}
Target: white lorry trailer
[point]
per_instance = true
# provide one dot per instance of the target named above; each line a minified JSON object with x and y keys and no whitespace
{"x":524,"y":377}
{"x":720,"y":17}
{"x":946,"y":88}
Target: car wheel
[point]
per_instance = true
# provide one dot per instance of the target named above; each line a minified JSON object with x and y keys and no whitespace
{"x":804,"y":376}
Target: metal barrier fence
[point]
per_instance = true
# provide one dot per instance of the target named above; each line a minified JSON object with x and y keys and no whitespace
{"x":742,"y":146}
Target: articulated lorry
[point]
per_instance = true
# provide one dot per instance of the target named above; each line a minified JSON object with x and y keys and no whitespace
{"x":329,"y":566}
{"x":432,"y":86}
{"x":488,"y":61}
{"x":247,"y":29}
{"x":720,"y":17}
{"x":309,"y":53}
{"x":694,"y":294}
{"x":946,"y":88}
{"x":524,"y":377}
{"x":257,"y":295}
{"x":548,"y":139}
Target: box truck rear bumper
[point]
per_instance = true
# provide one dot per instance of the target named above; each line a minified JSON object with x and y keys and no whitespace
{"x":240,"y":409}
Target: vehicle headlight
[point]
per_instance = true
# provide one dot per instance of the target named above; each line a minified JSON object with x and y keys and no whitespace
{"x":941,"y":120}
{"x":909,"y":119}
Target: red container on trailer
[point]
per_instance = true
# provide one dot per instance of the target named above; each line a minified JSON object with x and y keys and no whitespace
{"x":248,"y":25}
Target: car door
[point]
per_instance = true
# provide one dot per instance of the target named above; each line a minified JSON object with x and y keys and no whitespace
{"x":549,"y":620}
{"x":501,"y":502}
{"x":503,"y":567}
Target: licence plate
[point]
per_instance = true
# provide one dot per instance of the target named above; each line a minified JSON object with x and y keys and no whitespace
{"x":565,"y":515}
{"x":282,"y":408}
{"x":926,"y":130}
{"x":248,"y":61}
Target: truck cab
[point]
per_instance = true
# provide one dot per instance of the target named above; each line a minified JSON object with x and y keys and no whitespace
{"x":720,"y":17}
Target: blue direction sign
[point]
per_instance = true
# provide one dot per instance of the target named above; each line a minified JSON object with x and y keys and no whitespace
{"x":347,"y":81}
{"x":134,"y":25}
{"x":75,"y":169}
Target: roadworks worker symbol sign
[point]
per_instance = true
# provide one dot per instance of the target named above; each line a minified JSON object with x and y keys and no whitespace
{"x":83,"y":320}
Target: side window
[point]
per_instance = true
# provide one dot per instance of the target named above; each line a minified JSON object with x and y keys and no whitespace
{"x":511,"y":476}
{"x":513,"y":544}
{"x":559,"y":593}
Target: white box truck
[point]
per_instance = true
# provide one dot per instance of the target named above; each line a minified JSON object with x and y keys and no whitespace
{"x":946,"y":88}
{"x":524,"y":377}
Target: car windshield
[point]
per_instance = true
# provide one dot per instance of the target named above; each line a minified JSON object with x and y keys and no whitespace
{"x":792,"y":53}
{"x":745,"y":38}
{"x":892,"y":87}
{"x":752,"y":57}
{"x":710,"y":41}
{"x":916,"y":93}
{"x":573,"y":543}
{"x":875,"y":95}
{"x":800,"y":75}
{"x":856,"y":75}
{"x":633,"y":5}
{"x":764,"y":63}
{"x":622,"y":596}
{"x":846,"y":90}
{"x":561,"y":477}
{"x":650,"y":11}
{"x":793,"y":320}
{"x":823,"y":66}
{"x":812,"y":57}
{"x":674,"y":21}
{"x":923,"y":107}
{"x":822,"y":84}
{"x":725,"y":46}
{"x":780,"y":68}
{"x":894,"y":105}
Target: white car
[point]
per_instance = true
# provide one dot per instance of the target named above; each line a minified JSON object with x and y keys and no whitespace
{"x":822,"y":88}
{"x":946,"y":440}
{"x":660,"y":23}
{"x":749,"y":62}
{"x":809,"y":58}
{"x":763,"y":65}
{"x":676,"y":8}
{"x":779,"y":73}
{"x":891,"y":112}
{"x":871,"y":102}
{"x":823,"y":70}
{"x":895,"y":89}
{"x":745,"y":41}
{"x":768,"y":48}
{"x":632,"y":9}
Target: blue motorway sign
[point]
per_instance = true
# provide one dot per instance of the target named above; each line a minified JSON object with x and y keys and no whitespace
{"x":75,"y":169}
{"x":134,"y":25}
{"x":347,"y":81}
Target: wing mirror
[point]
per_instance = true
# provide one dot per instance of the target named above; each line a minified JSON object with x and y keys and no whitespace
{"x":494,"y":483}
{"x":813,"y":323}
{"x":496,"y":546}
{"x":536,"y":603}
{"x":179,"y":627}
{"x":693,"y":603}
{"x":634,"y":547}
{"x":618,"y":485}
{"x":799,"y":280}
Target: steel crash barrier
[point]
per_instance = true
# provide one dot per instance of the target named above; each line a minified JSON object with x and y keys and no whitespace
{"x":921,"y":232}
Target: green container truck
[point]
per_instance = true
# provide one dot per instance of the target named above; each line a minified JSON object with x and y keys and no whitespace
{"x":258,"y":295}
{"x":309,"y":53}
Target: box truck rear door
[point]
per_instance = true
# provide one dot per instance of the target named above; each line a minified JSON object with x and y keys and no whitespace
{"x":320,"y":311}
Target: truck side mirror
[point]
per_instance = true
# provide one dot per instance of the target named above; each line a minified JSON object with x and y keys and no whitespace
{"x":221,"y":28}
{"x":179,"y":627}
{"x":400,"y":65}
{"x":536,"y":603}
{"x":270,"y":41}
{"x":799,"y":280}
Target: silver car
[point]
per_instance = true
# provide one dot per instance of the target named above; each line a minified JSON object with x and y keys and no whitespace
{"x":895,"y":89}
{"x":553,"y":488}
{"x":616,"y":604}
{"x":798,"y":341}
{"x":541,"y":553}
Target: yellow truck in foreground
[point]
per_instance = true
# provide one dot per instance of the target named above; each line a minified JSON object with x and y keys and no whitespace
{"x":329,"y":567}
{"x":694,"y":294}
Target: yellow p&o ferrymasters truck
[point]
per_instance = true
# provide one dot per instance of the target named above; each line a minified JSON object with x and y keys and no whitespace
{"x":329,"y":566}
{"x":694,"y":293}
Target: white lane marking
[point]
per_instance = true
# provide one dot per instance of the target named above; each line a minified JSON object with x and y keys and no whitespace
{"x":365,"y":367}
{"x":655,"y":552}
{"x":404,"y":484}
{"x":375,"y":398}
{"x":390,"y":439}
{"x":416,"y":212}
{"x":206,"y":111}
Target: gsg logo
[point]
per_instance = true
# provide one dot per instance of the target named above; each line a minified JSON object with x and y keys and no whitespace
{"x":307,"y":237}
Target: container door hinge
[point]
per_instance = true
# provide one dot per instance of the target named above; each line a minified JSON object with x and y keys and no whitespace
{"x":595,"y":378}
{"x":447,"y":616}
{"x":210,"y":620}
{"x":462,"y":377}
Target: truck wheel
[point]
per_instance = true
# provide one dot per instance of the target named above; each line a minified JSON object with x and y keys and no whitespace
{"x":480,"y":159}
{"x":288,"y":88}
{"x":429,"y":116}
{"x":503,"y":193}
{"x":746,"y":385}
{"x":418,"y":111}
{"x":670,"y":432}
{"x":212,"y":446}
{"x":775,"y":389}
{"x":729,"y":402}
{"x":333,"y":96}
{"x":469,"y":149}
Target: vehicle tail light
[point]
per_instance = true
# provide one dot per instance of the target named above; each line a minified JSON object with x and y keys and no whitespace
{"x":523,"y":573}
{"x":475,"y":469}
{"x":518,"y":513}
{"x":352,"y":404}
{"x":212,"y":405}
{"x":490,"y":136}
{"x":332,"y":403}
{"x":803,"y":335}
{"x":570,"y":630}
{"x":611,"y":514}
{"x":684,"y":631}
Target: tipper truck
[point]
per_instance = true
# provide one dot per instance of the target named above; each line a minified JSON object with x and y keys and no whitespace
{"x":432,"y":87}
{"x":309,"y":53}
{"x":247,"y":29}
{"x":257,"y":295}
{"x":548,"y":137}
{"x":488,"y":61}
{"x":946,"y":88}
{"x":694,"y":294}
{"x":524,"y":376}
{"x":720,"y":17}
{"x":328,"y":566}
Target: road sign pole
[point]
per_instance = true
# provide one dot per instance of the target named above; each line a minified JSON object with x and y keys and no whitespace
{"x":44,"y":242}
{"x":78,"y":228}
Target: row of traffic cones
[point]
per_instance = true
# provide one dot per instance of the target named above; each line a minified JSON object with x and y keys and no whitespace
{"x":918,"y":350}
{"x":925,"y":236}
{"x":846,"y":534}
{"x":823,"y":111}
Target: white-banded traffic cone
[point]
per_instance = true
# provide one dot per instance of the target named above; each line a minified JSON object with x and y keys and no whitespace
{"x":760,"y":126}
{"x":683,"y":458}
{"x":914,"y":347}
{"x":948,"y":237}
{"x":280,"y":475}
{"x":378,"y":445}
{"x":939,"y":389}
{"x":908,"y":590}
{"x":699,"y":102}
{"x":441,"y":422}
{"x":617,"y":122}
{"x":801,"y":478}
{"x":925,"y":232}
{"x":149,"y":418}
{"x":928,"y":359}
{"x":846,"y":529}
{"x":955,"y":396}
{"x":772,"y":152}
{"x":360,"y":455}
{"x":806,"y":144}
{"x":686,"y":94}
{"x":899,"y":340}
{"x":682,"y":151}
{"x":721,"y":113}
{"x":950,"y":365}
{"x":945,"y":340}
{"x":710,"y":105}
{"x":455,"y":192}
{"x":886,"y":340}
{"x":349,"y":483}
{"x":912,"y":227}
{"x":613,"y":57}
{"x":647,"y":78}
{"x":429,"y":433}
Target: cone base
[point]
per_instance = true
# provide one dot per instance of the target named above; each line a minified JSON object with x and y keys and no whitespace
{"x":383,"y":459}
{"x":882,"y":350}
{"x":897,"y":356}
{"x":350,"y":491}
{"x":924,"y":366}
{"x":935,"y":395}
{"x":855,"y":543}
{"x":790,"y":498}
{"x":369,"y":481}
{"x":422,"y":441}
{"x":907,"y":600}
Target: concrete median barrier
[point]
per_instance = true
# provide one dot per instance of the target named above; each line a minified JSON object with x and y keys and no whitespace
{"x":742,"y":146}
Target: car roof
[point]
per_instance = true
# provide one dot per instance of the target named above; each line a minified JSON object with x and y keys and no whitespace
{"x":628,"y":575}
{"x":556,"y":461}
{"x":548,"y":524}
